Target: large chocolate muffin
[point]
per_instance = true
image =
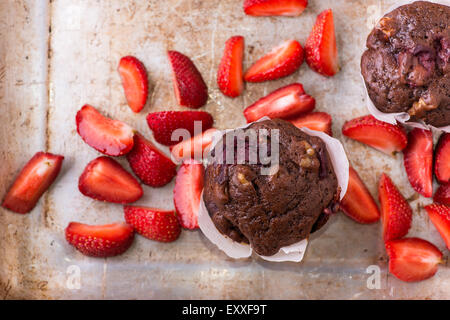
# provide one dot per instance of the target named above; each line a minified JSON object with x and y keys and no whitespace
{"x":275,"y":210}
{"x":407,"y":64}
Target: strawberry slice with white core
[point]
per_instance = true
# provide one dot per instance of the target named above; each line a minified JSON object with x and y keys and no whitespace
{"x":280,"y":62}
{"x":320,"y":48}
{"x":418,"y":161}
{"x":264,"y":8}
{"x":196,"y":147}
{"x":318,"y":121}
{"x":100,"y":241}
{"x":442,"y":159}
{"x":440,"y":216}
{"x":230,"y":78}
{"x":187,"y":192}
{"x":134,"y":81}
{"x":395,"y":210}
{"x":358,"y":203}
{"x":385,"y":137}
{"x":413,"y":259}
{"x":33,"y":180}
{"x":286,"y":102}
{"x":111,"y":137}
{"x":104,"y":179}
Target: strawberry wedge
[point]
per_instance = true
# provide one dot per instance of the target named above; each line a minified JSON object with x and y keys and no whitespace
{"x":100,"y":241}
{"x":104,"y":179}
{"x":318,"y":121}
{"x":442,"y":195}
{"x":320,"y":48}
{"x":111,"y":137}
{"x":230,"y":78}
{"x":134,"y":81}
{"x":385,"y":137}
{"x":286,"y":102}
{"x":413,"y":259}
{"x":440,"y":216}
{"x":34,"y":179}
{"x":187,"y":192}
{"x":395,"y":210}
{"x":280,"y":62}
{"x":264,"y":8}
{"x":358,"y":203}
{"x":442,"y":159}
{"x":195,"y":148}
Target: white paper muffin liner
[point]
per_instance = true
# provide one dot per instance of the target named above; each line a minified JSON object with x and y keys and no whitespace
{"x":296,"y":251}
{"x":401,"y":117}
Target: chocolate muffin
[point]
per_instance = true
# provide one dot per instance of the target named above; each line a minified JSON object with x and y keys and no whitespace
{"x":271,"y":211}
{"x":407,"y":62}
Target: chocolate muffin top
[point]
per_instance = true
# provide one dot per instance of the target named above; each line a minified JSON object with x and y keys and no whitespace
{"x":407,"y":64}
{"x":275,"y":210}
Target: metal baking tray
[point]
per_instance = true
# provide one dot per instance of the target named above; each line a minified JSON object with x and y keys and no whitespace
{"x":58,"y":55}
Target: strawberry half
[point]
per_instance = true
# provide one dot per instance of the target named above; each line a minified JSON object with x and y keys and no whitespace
{"x":442,"y":156}
{"x":286,"y":102}
{"x":442,"y":194}
{"x":163,"y":124}
{"x":190,"y":88}
{"x":264,"y":8}
{"x":440,"y":216}
{"x":187,"y":192}
{"x":134,"y":81}
{"x":320,"y":48}
{"x":33,"y":180}
{"x":100,"y":241}
{"x":413,"y":259}
{"x":281,"y":61}
{"x":395,"y":210}
{"x":385,"y":137}
{"x":105,"y":179}
{"x":358,"y":203}
{"x":150,"y":165}
{"x":111,"y":137}
{"x":154,"y":224}
{"x":195,"y":148}
{"x":230,"y":77}
{"x":418,"y":161}
{"x":318,"y":121}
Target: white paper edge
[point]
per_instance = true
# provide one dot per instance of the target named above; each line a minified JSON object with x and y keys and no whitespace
{"x":401,"y":117}
{"x":294,"y":252}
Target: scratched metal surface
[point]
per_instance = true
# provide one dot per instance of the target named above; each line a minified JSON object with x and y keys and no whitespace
{"x":58,"y":55}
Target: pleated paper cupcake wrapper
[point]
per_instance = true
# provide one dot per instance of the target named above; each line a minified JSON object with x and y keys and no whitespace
{"x":401,"y":117}
{"x":296,"y":251}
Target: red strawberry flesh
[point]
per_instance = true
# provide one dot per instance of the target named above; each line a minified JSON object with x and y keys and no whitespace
{"x":196,"y":147}
{"x":440,"y":216}
{"x":442,"y":195}
{"x":318,"y":121}
{"x":442,"y":159}
{"x":135,"y":82}
{"x":230,"y":77}
{"x":274,"y":7}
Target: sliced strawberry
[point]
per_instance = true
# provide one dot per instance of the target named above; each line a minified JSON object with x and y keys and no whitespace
{"x":442,"y":156}
{"x":195,"y":148}
{"x":230,"y":77}
{"x":395,"y":210}
{"x":100,"y":241}
{"x":190,"y":88}
{"x":281,"y":61}
{"x":154,"y":224}
{"x":286,"y":102}
{"x":152,"y":166}
{"x":418,"y":160}
{"x":164,"y":123}
{"x":134,"y":81}
{"x":104,"y":179}
{"x":320,"y":48}
{"x":111,"y":137}
{"x":413,"y":259}
{"x":358,"y":203}
{"x":34,"y":179}
{"x":264,"y":8}
{"x":385,"y":137}
{"x":442,"y":194}
{"x":318,"y":121}
{"x":440,"y":216}
{"x":187,"y":192}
